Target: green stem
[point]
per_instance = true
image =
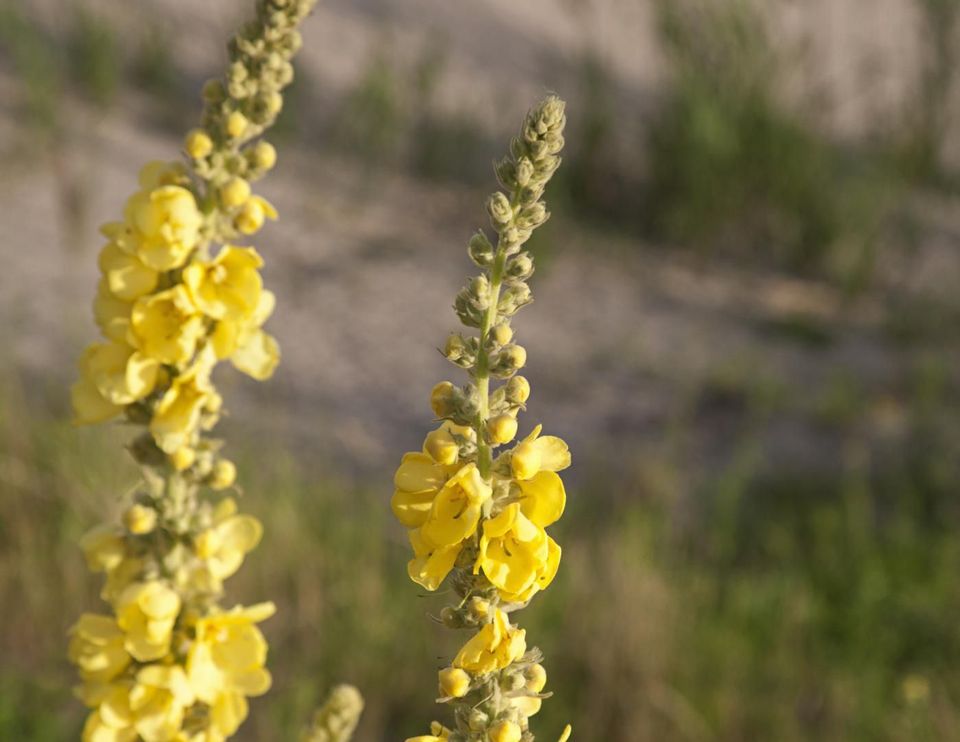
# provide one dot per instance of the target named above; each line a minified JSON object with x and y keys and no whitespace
{"x":484,"y":453}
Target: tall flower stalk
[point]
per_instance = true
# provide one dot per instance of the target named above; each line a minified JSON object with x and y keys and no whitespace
{"x":177,"y":296}
{"x":476,"y":512}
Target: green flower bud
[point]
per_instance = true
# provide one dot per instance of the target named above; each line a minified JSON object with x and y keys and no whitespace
{"x":520,"y":267}
{"x":480,"y":249}
{"x":501,"y":213}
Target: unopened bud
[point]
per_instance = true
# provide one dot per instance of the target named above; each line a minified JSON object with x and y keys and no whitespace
{"x":455,"y":347}
{"x":480,"y":249}
{"x":441,"y":447}
{"x":442,"y":398}
{"x":224,"y":474}
{"x":518,"y":390}
{"x":501,"y":429}
{"x":454,"y":682}
{"x":498,"y":206}
{"x":505,"y":731}
{"x":264,"y":155}
{"x":502,"y":333}
{"x":236,"y":125}
{"x":234,"y":192}
{"x":139,"y":519}
{"x":536,"y":678}
{"x":520,"y":267}
{"x":183,"y":458}
{"x":198,"y":144}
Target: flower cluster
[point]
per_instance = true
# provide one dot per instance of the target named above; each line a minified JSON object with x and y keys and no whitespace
{"x":176,"y":296}
{"x":476,"y":515}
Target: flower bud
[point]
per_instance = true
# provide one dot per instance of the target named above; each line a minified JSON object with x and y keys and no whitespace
{"x":250,"y":218}
{"x":224,"y":474}
{"x":213,"y":91}
{"x":198,"y":144}
{"x":455,"y":347}
{"x":505,"y":731}
{"x":454,"y":682}
{"x":525,"y":461}
{"x":236,"y":125}
{"x":501,"y":213}
{"x":477,"y":720}
{"x":536,"y":678}
{"x":480,"y":249}
{"x":441,"y":447}
{"x":510,"y":359}
{"x":139,"y":519}
{"x":264,"y":155}
{"x":520,"y":267}
{"x":442,"y":398}
{"x":501,"y":429}
{"x":518,"y":390}
{"x":480,"y":290}
{"x":533,"y":216}
{"x":524,"y":171}
{"x":502,"y":333}
{"x":183,"y":458}
{"x":234,"y":192}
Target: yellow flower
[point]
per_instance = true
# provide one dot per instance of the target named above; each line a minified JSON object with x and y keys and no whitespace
{"x":97,"y":648}
{"x":228,"y":654}
{"x":167,"y":325}
{"x":103,"y":547}
{"x":250,"y":349}
{"x":89,"y":406}
{"x":565,"y":735}
{"x":227,"y":286}
{"x":177,"y":415}
{"x":430,"y":564}
{"x":253,"y":213}
{"x":224,"y":545}
{"x":534,"y":454}
{"x":146,"y":611}
{"x":417,"y":482}
{"x":111,"y":314}
{"x":167,"y":222}
{"x":121,"y":374}
{"x":127,"y":276}
{"x":494,"y":647}
{"x":441,"y":446}
{"x":535,"y":680}
{"x":441,"y":399}
{"x":517,"y":555}
{"x":456,"y":509}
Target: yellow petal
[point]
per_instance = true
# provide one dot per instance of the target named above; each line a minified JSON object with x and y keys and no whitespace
{"x":543,"y":498}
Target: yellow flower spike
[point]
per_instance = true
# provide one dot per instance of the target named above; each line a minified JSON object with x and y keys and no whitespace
{"x":198,"y":144}
{"x":171,"y":665}
{"x":140,"y":519}
{"x":234,"y":192}
{"x":167,"y":326}
{"x":502,"y":428}
{"x":505,"y":731}
{"x":476,"y":519}
{"x":454,"y":682}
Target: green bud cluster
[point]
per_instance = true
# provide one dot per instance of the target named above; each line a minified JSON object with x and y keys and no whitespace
{"x":337,"y":719}
{"x":489,"y":301}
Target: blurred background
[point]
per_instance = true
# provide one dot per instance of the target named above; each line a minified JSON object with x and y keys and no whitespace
{"x":747,"y":325}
